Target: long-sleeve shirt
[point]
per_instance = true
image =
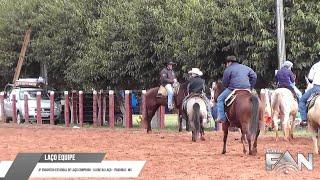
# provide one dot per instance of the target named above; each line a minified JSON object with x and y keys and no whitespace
{"x":167,"y":76}
{"x":239,"y":76}
{"x":196,"y":85}
{"x":314,"y":74}
{"x":284,"y":77}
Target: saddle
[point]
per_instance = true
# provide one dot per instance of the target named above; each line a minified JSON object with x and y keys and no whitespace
{"x":232,"y":96}
{"x":312,"y":99}
{"x":163,"y":91}
{"x":184,"y":105}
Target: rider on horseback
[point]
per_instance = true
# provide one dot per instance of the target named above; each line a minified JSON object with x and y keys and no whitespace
{"x":314,"y":78}
{"x":235,"y":76}
{"x":196,"y":87}
{"x":168,"y":77}
{"x":285,"y":79}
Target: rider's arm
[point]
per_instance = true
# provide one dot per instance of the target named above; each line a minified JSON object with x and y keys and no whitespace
{"x":311,"y":74}
{"x":165,"y":79}
{"x":292,"y":77}
{"x":203,"y":85}
{"x":252,"y":78}
{"x":226,"y":78}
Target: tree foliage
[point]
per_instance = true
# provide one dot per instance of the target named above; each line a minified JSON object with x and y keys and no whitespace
{"x":124,"y":44}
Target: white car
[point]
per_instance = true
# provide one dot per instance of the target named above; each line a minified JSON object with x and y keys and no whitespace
{"x":32,"y":103}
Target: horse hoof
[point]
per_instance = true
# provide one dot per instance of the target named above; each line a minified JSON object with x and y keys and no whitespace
{"x":223,"y":152}
{"x":148,"y":131}
{"x":202,"y":138}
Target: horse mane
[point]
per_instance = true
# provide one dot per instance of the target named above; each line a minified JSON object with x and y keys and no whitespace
{"x":219,"y":89}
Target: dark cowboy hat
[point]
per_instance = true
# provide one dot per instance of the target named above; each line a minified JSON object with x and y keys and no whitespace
{"x":231,"y":59}
{"x":170,"y":62}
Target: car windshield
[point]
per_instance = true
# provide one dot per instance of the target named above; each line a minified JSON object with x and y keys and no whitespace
{"x":32,"y":94}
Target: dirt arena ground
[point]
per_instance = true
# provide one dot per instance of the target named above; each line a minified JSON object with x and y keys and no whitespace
{"x":168,"y":154}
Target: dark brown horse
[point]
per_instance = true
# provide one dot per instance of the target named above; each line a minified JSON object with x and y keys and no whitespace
{"x":153,"y":103}
{"x":246,"y":112}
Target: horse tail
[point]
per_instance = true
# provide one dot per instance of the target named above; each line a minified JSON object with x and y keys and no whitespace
{"x":254,"y":114}
{"x":275,"y":102}
{"x":196,"y":116}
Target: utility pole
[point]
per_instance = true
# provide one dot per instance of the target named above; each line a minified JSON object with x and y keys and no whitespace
{"x":280,"y":33}
{"x":22,"y":55}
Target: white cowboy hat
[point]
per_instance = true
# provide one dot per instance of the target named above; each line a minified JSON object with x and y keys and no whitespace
{"x":196,"y":71}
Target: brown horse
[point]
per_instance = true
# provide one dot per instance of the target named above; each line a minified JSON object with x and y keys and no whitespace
{"x":246,"y":112}
{"x":153,"y":103}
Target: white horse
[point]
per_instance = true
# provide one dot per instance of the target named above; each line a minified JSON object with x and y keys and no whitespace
{"x":314,"y":121}
{"x":284,"y":105}
{"x":197,"y":116}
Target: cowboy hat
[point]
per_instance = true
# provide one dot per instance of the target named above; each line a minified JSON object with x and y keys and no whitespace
{"x":195,"y":71}
{"x":231,"y":59}
{"x":287,"y":64}
{"x":171,"y":62}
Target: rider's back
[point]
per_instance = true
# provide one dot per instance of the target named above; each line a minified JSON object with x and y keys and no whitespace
{"x":284,"y":77}
{"x":196,"y":85}
{"x":239,"y":76}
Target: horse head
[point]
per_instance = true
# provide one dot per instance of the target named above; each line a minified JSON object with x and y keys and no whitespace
{"x":180,"y":94}
{"x":216,"y":89}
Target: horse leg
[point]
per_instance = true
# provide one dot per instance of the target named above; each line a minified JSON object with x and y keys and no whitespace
{"x":286,"y":127}
{"x":243,"y":140}
{"x":254,"y":149}
{"x":149,"y":118}
{"x":276,"y":125}
{"x":315,"y":136}
{"x":202,"y":130}
{"x":225,"y":127}
{"x":149,"y":127}
{"x":249,"y":142}
{"x":293,"y":117}
{"x":180,"y":122}
{"x":187,"y":125}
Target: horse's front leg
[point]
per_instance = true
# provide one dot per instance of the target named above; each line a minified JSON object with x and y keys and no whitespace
{"x":276,"y":125}
{"x":180,"y":122}
{"x":225,"y":127}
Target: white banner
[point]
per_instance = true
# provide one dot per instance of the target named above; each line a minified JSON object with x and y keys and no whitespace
{"x":127,"y":169}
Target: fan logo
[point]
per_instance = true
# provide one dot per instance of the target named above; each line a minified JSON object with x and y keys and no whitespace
{"x":283,"y":162}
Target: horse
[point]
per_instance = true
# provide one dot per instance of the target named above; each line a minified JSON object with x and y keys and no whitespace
{"x":265,"y":96}
{"x":314,"y":119}
{"x":153,"y":103}
{"x":283,"y":104}
{"x":245,"y":112}
{"x":197,"y":114}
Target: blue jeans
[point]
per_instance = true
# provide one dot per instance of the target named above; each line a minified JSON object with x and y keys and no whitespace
{"x":214,"y":111}
{"x":296,"y":90}
{"x":220,"y":104}
{"x":303,"y":101}
{"x":170,"y":95}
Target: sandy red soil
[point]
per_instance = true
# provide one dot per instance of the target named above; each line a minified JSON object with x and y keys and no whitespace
{"x":168,"y":154}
